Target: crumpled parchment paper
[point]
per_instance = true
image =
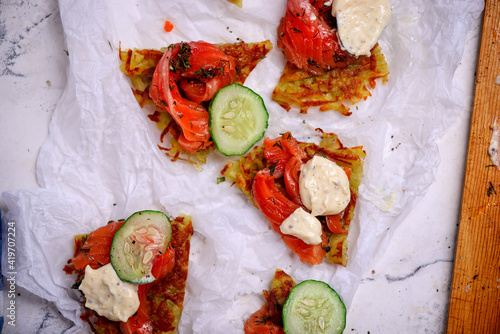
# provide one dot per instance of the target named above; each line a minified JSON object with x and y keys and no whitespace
{"x":101,"y":161}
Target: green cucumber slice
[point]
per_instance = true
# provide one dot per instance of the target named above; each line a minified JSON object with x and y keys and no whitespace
{"x":238,"y":119}
{"x":143,"y":236}
{"x":313,"y":307}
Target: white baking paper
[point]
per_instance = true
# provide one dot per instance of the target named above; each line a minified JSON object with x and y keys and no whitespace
{"x":101,"y":161}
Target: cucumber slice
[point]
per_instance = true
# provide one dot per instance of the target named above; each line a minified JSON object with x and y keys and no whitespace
{"x":238,"y":119}
{"x":313,"y":307}
{"x":143,"y":236}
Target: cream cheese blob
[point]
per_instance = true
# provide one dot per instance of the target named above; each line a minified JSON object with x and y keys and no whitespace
{"x":303,"y":225}
{"x":108,"y":295}
{"x":324,"y":187}
{"x":360,"y":23}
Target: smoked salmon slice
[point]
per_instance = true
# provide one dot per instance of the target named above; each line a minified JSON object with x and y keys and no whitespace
{"x":259,"y":323}
{"x":187,"y":75}
{"x":95,"y":250}
{"x":285,"y":155}
{"x":308,"y":41}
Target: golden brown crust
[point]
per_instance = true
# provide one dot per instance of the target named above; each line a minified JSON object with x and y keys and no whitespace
{"x":246,"y":56}
{"x":330,"y":90}
{"x":281,"y":285}
{"x":238,"y":3}
{"x":166,"y":298}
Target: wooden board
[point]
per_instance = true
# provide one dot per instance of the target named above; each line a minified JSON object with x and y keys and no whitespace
{"x":475,"y":295}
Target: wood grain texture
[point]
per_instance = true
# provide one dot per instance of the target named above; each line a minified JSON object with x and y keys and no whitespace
{"x":475,"y":295}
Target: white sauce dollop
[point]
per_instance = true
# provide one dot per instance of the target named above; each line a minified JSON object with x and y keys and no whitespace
{"x":324,"y":187}
{"x":304,"y":226}
{"x":109,"y":296}
{"x":360,"y":23}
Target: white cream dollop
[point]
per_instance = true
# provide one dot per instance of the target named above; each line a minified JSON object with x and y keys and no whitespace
{"x":109,"y":296}
{"x":324,"y":187}
{"x":360,"y":23}
{"x":303,"y":225}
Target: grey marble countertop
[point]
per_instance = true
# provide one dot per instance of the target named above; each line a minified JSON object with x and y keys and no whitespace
{"x":407,"y":289}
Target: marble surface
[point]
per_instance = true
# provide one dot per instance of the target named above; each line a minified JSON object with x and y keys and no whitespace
{"x":405,"y":291}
